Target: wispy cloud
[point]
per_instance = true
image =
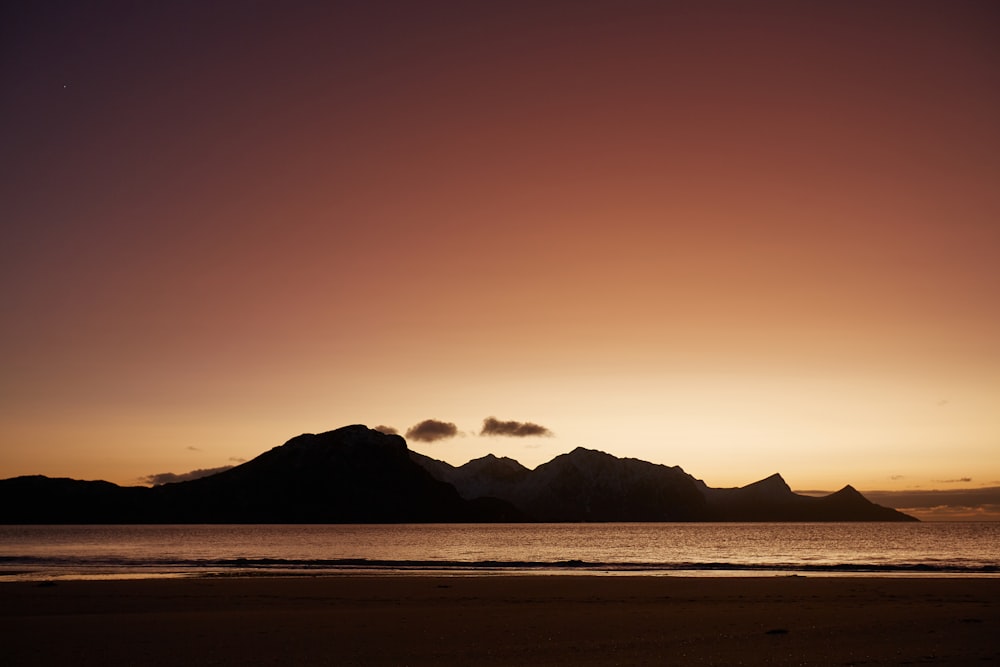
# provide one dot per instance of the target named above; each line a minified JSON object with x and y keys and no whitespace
{"x":960,"y":480}
{"x":986,"y":512}
{"x":388,"y":430}
{"x":170,"y":477}
{"x":939,"y":505}
{"x":493,"y":426}
{"x":430,"y":430}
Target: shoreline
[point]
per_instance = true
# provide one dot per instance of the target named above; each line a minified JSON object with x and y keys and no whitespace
{"x":42,"y":579}
{"x":486,"y":619}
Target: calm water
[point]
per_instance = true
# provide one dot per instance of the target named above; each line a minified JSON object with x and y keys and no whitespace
{"x":43,"y":552}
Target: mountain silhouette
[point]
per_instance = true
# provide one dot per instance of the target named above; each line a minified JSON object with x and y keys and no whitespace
{"x":40,"y":499}
{"x":350,"y":475}
{"x":583,"y":485}
{"x":589,"y":485}
{"x":489,"y":476}
{"x":358,"y":475}
{"x":771,"y":499}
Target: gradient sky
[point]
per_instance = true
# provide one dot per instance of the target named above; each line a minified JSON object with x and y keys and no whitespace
{"x":736,"y":237}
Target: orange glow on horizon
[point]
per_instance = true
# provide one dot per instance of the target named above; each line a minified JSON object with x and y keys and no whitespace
{"x":742,"y":240}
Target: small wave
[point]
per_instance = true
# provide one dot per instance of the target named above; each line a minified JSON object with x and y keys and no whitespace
{"x":574,"y":564}
{"x":249,"y":564}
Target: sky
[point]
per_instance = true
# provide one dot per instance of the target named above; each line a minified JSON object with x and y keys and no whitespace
{"x":741,"y":238}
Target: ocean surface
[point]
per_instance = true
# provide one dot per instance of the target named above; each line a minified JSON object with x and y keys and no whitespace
{"x":716,"y":549}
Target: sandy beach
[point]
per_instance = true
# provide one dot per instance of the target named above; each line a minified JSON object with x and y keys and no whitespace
{"x":503,"y":620}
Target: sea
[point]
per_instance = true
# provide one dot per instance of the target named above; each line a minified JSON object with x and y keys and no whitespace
{"x":46,"y":553}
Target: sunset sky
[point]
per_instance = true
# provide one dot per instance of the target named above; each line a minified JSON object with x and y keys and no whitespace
{"x":738,"y":237}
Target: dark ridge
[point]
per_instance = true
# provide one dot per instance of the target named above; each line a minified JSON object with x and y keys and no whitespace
{"x":358,"y":475}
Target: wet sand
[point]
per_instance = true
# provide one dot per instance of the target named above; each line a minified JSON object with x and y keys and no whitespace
{"x":503,"y":620}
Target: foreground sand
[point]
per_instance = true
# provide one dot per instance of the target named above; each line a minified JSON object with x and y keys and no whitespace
{"x":503,"y":620}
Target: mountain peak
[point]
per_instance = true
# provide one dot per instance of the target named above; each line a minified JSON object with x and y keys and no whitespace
{"x":847,"y":491}
{"x":356,"y":435}
{"x":491,"y":460}
{"x":773,"y":483}
{"x":583,"y":452}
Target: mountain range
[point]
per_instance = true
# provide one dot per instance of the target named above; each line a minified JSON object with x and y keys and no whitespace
{"x":358,"y":475}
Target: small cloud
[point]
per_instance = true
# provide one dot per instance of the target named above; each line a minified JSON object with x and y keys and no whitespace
{"x":388,"y":430}
{"x":170,"y":477}
{"x":493,"y":426}
{"x":943,"y":402}
{"x":896,"y":477}
{"x":236,"y":459}
{"x":430,"y":430}
{"x":960,"y":480}
{"x":193,"y":449}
